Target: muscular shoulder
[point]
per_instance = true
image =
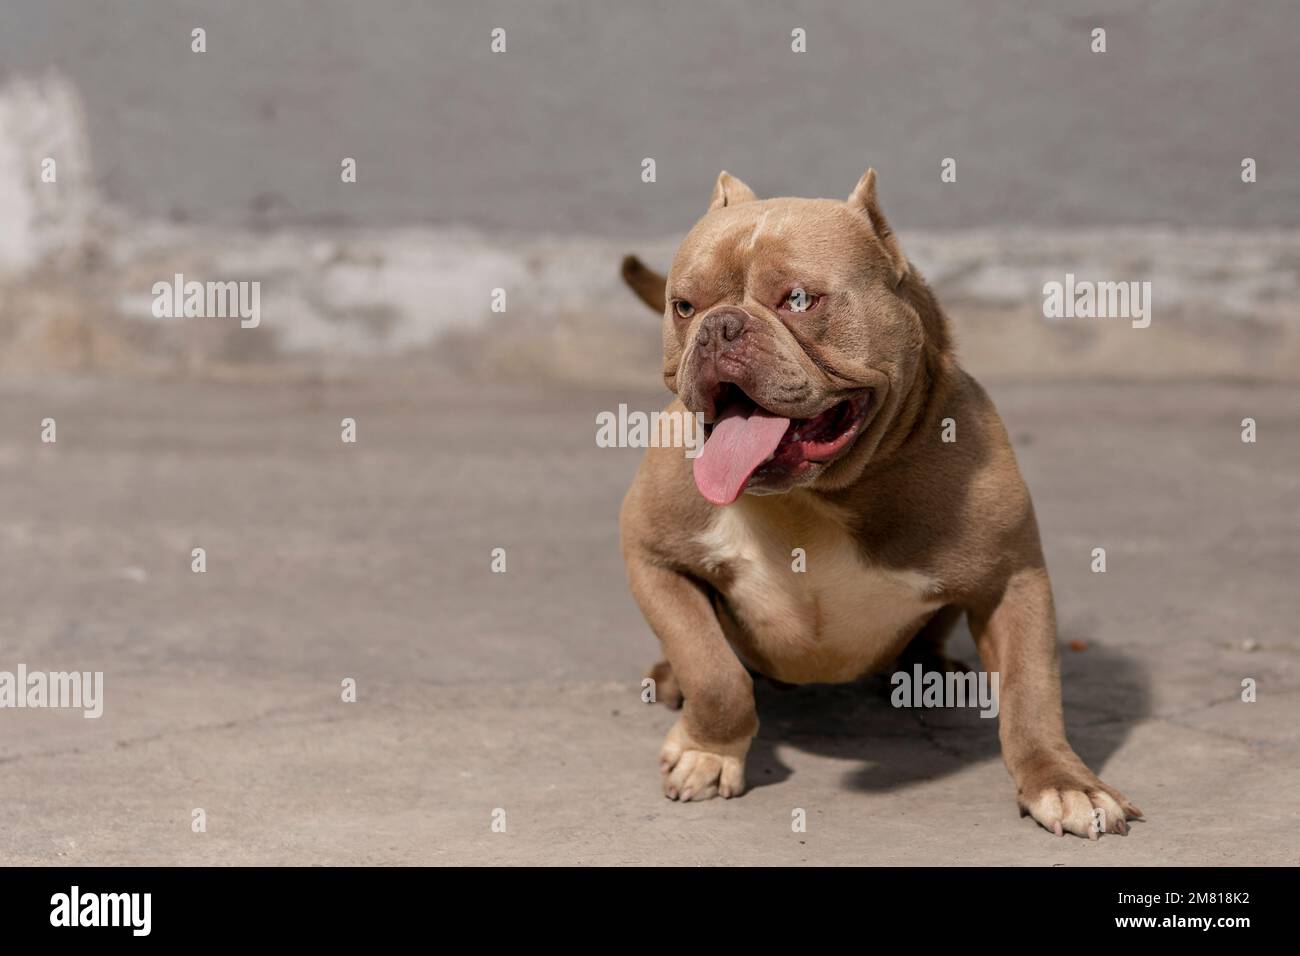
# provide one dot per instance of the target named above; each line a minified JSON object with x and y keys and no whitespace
{"x":663,"y":512}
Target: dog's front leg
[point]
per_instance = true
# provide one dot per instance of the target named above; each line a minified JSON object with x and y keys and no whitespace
{"x":704,"y":753}
{"x":1015,"y":632}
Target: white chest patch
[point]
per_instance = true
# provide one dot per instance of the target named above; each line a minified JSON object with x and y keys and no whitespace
{"x":820,"y":613}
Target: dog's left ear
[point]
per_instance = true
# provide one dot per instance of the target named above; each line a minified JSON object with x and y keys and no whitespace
{"x":863,"y":198}
{"x":648,"y":285}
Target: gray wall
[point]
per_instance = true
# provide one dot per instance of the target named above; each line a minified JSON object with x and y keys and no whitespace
{"x":549,"y":136}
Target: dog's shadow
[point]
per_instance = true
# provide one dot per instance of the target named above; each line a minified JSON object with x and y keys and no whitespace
{"x":886,"y":748}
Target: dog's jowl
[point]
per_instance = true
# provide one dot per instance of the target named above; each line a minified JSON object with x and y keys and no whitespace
{"x":839,"y":428}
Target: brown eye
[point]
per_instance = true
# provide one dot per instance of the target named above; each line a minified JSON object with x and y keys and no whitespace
{"x":799,"y":300}
{"x":683,"y":308}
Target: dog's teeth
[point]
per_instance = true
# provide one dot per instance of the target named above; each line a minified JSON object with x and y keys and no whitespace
{"x":769,"y":458}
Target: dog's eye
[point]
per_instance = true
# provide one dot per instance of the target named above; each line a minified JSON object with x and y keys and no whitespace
{"x":799,"y":300}
{"x":683,"y":308}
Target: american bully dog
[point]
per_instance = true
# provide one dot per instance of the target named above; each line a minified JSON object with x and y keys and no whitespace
{"x":839,"y":422}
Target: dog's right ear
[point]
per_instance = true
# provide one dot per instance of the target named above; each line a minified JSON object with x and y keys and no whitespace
{"x":648,"y":285}
{"x":729,"y":191}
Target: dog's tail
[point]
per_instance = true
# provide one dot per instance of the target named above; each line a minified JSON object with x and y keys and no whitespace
{"x":648,"y":285}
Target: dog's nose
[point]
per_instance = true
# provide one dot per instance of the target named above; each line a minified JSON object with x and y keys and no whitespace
{"x":724,"y":325}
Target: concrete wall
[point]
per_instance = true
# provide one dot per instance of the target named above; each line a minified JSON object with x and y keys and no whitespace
{"x":549,"y":136}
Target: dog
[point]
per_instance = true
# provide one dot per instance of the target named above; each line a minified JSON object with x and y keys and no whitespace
{"x":837,"y":421}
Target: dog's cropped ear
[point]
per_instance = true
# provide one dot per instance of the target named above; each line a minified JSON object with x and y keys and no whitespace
{"x":648,"y":285}
{"x":728,"y":191}
{"x":863,"y":198}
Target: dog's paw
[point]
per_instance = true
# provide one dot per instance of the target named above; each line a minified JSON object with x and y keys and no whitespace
{"x":1075,"y":801}
{"x":693,"y":771}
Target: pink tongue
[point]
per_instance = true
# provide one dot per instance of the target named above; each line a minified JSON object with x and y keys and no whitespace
{"x":740,"y":441}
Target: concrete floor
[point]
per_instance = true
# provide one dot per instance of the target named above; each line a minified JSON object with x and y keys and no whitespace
{"x":520,"y":691}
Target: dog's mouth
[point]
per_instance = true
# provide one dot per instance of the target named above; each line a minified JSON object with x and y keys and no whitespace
{"x":749,"y":446}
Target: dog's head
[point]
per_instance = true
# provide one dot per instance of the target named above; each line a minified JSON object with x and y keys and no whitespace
{"x":795,"y":326}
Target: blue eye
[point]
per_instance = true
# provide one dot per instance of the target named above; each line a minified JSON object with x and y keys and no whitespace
{"x":800,"y":300}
